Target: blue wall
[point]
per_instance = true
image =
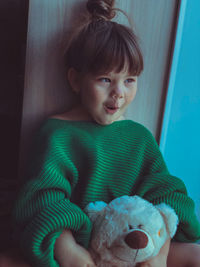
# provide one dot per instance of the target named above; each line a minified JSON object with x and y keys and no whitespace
{"x":180,"y":139}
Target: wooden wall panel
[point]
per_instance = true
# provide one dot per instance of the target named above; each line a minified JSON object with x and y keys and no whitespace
{"x":46,"y":91}
{"x":154,"y":22}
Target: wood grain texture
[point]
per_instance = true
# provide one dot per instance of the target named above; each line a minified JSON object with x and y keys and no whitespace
{"x":154,"y":23}
{"x":46,"y":90}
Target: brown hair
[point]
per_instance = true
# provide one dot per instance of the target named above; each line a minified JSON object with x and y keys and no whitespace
{"x":102,"y":45}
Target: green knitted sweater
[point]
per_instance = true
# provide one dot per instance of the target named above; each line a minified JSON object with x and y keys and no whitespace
{"x":73,"y":163}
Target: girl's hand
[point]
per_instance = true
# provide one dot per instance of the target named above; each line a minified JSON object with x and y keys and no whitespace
{"x":157,"y":261}
{"x":160,"y":260}
{"x":68,"y":253}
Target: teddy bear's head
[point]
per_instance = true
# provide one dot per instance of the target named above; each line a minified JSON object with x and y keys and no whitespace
{"x":129,"y":230}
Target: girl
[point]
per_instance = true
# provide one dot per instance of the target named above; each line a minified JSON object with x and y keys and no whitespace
{"x":91,"y":153}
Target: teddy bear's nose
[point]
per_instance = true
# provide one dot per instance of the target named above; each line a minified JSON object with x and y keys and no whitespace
{"x":136,"y":239}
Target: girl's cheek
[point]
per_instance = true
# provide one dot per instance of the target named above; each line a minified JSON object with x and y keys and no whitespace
{"x":96,"y":97}
{"x":102,"y":93}
{"x":134,"y":91}
{"x":132,"y":95}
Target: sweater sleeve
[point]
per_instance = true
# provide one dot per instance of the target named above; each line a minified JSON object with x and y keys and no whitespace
{"x":43,"y":208}
{"x":157,"y":186}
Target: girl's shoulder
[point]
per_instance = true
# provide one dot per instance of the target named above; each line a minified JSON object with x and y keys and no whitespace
{"x":137,"y":128}
{"x":52,"y":124}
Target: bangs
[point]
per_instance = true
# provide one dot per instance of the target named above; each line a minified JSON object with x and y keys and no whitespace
{"x":117,"y":50}
{"x":105,"y":46}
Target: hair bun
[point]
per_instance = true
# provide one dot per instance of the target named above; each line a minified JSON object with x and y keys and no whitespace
{"x":101,"y":9}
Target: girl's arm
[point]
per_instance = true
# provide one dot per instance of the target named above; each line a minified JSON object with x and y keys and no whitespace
{"x":179,"y":255}
{"x":183,"y":255}
{"x":43,"y":208}
{"x":158,"y":185}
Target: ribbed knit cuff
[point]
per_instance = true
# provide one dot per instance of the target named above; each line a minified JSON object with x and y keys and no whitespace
{"x":40,"y":235}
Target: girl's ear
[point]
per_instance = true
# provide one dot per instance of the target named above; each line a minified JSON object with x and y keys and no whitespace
{"x":73,"y":78}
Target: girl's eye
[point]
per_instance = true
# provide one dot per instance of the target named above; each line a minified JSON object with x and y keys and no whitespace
{"x":104,"y":80}
{"x":130,"y":80}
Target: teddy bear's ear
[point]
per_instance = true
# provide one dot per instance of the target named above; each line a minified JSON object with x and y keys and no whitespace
{"x":94,"y":209}
{"x":170,"y":218}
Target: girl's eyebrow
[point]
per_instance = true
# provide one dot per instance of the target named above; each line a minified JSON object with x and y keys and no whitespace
{"x":102,"y":74}
{"x":132,"y":74}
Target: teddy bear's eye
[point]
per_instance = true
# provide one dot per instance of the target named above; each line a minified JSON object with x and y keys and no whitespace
{"x":160,"y":232}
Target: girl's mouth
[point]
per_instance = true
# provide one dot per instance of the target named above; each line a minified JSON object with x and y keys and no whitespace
{"x":111,"y":109}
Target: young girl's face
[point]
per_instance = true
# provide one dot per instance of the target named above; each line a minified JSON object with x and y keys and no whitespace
{"x":106,"y":96}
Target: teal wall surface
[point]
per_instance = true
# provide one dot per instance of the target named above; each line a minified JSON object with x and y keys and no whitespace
{"x":180,"y":138}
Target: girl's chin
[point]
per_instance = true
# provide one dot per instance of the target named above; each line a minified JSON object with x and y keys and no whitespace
{"x":107,"y":121}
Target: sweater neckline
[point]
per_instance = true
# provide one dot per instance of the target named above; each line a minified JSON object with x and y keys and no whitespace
{"x":87,"y":122}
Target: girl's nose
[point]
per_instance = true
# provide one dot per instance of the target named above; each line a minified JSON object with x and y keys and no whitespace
{"x":117,"y":92}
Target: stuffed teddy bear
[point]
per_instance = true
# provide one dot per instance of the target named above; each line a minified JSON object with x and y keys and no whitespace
{"x":129,"y":230}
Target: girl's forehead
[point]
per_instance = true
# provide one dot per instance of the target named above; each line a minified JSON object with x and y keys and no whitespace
{"x":124,"y":72}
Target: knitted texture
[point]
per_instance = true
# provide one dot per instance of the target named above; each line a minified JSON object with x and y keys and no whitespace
{"x":73,"y":163}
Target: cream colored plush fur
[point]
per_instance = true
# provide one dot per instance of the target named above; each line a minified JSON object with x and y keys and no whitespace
{"x":129,"y":230}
